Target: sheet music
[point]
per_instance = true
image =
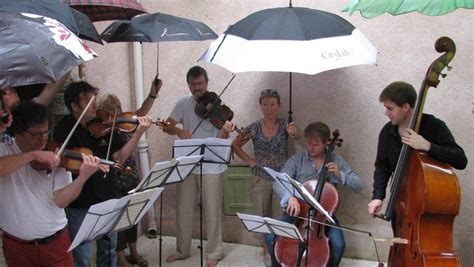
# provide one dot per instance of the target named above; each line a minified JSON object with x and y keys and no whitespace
{"x":283,"y":179}
{"x":308,"y":198}
{"x":217,"y":150}
{"x":185,"y":166}
{"x":156,"y":175}
{"x":102,"y":218}
{"x":139,"y":204}
{"x":284,"y":229}
{"x":254,"y":223}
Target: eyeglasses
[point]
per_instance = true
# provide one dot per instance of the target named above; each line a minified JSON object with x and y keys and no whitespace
{"x":267,"y":92}
{"x":38,"y":134}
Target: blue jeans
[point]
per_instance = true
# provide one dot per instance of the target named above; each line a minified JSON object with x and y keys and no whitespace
{"x":106,"y":255}
{"x":337,"y":244}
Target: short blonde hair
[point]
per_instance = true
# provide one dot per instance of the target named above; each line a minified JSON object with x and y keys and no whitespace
{"x":110,"y":102}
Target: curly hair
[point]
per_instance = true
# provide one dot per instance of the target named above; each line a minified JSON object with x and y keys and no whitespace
{"x":27,"y":114}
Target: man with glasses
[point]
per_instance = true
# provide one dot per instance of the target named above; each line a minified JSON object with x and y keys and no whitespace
{"x":31,"y":202}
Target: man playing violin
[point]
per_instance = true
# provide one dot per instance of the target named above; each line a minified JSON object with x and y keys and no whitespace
{"x":31,"y":203}
{"x":434,"y":137}
{"x":308,"y":165}
{"x":97,"y":189}
{"x":184,"y":113}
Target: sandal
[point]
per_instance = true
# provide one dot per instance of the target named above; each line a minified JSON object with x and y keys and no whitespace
{"x":151,"y":233}
{"x":140,"y":262}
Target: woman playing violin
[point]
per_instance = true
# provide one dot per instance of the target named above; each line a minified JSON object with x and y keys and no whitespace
{"x":97,"y":189}
{"x":307,"y":165}
{"x":124,"y":183}
{"x":31,"y":197}
{"x":270,"y":136}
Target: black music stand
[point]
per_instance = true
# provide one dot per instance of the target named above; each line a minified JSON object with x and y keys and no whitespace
{"x":114,"y":215}
{"x":214,"y":151}
{"x":165,"y":173}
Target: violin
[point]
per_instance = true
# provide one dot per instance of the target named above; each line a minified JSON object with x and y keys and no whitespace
{"x":71,"y":160}
{"x":126,"y":122}
{"x":209,"y":106}
{"x":289,"y":252}
{"x":4,"y":117}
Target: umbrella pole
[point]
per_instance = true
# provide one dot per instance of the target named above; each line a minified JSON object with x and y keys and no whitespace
{"x":157,"y":58}
{"x":290,"y":112}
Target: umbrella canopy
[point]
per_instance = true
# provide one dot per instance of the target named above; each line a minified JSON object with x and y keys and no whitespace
{"x":373,"y":8}
{"x":120,"y":31}
{"x":290,"y":39}
{"x":99,"y":10}
{"x":37,"y":49}
{"x":161,"y":27}
{"x":74,"y":20}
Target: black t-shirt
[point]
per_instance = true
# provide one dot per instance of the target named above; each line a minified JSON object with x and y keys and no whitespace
{"x":97,"y":188}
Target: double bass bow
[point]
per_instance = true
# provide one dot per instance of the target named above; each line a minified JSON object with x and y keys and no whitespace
{"x":425,"y":194}
{"x":314,"y":251}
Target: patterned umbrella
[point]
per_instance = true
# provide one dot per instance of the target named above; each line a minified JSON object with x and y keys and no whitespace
{"x":37,"y":49}
{"x":99,"y":10}
{"x":74,"y":20}
{"x":373,"y":8}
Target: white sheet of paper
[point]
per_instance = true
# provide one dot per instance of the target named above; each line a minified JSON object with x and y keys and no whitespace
{"x":217,"y":150}
{"x":254,"y":223}
{"x":283,"y":179}
{"x":155,"y":176}
{"x":308,"y":198}
{"x":185,"y":166}
{"x":139,"y":204}
{"x":102,"y":218}
{"x":284,"y":229}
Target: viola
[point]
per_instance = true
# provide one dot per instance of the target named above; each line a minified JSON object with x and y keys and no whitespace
{"x":71,"y":160}
{"x":209,"y":106}
{"x":125,"y":122}
{"x":289,"y":252}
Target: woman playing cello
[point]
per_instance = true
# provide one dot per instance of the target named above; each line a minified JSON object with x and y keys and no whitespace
{"x":307,"y":165}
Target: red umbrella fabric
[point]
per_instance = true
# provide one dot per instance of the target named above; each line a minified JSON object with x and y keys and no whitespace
{"x":100,"y":10}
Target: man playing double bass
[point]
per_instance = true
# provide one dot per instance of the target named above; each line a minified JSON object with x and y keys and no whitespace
{"x":434,"y":138}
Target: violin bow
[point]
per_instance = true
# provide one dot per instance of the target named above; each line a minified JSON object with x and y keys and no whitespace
{"x":110,"y":139}
{"x":218,"y":97}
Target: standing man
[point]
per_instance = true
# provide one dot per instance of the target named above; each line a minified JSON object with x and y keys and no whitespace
{"x":98,"y":188}
{"x":308,"y":165}
{"x":31,"y":203}
{"x":183,"y":113}
{"x":434,"y":137}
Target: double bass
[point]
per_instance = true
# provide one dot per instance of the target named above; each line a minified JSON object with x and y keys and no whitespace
{"x":425,"y":196}
{"x":315,"y":249}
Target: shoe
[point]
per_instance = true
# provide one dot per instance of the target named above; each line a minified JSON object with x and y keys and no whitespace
{"x":211,"y":262}
{"x":140,"y":262}
{"x":151,"y":233}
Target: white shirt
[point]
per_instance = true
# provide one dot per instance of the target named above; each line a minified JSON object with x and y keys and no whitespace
{"x":183,"y":113}
{"x":27,"y":208}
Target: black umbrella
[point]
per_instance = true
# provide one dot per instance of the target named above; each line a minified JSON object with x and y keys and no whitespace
{"x":161,"y":27}
{"x":157,"y":27}
{"x":74,"y":20}
{"x":120,"y":31}
{"x":100,"y":10}
{"x":36,"y":49}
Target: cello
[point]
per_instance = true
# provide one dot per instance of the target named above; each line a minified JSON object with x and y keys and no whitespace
{"x":425,"y":194}
{"x":314,"y":251}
